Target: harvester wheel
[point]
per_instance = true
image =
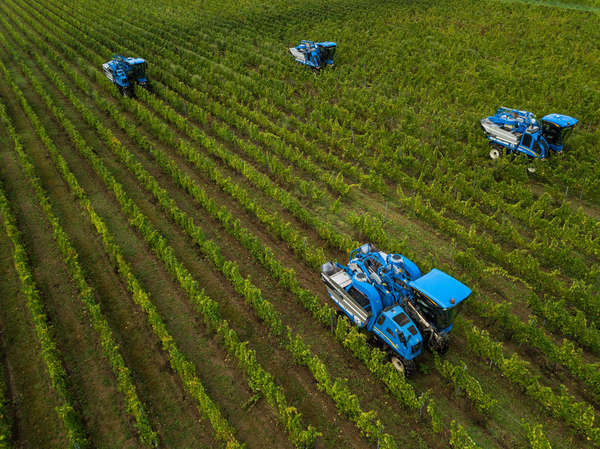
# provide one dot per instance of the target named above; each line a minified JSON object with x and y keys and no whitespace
{"x":495,"y":153}
{"x":531,"y":168}
{"x":406,"y":367}
{"x":397,"y":363}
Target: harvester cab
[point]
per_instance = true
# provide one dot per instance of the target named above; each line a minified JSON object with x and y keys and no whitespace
{"x":440,"y":298}
{"x":125,"y":72}
{"x":387,"y":295}
{"x":511,"y":131}
{"x":556,"y":128}
{"x":314,"y":54}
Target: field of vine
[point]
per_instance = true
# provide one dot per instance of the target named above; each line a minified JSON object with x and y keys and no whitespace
{"x":161,"y":254}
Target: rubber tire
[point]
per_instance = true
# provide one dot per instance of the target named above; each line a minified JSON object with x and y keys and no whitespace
{"x":495,"y":153}
{"x":403,"y":366}
{"x":397,"y":363}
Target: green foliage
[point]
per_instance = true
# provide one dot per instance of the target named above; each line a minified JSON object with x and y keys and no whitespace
{"x":184,"y":368}
{"x":244,"y":112}
{"x":87,"y":295}
{"x":536,"y":437}
{"x":457,"y":374}
{"x":459,"y":439}
{"x":50,"y":353}
{"x":5,"y":421}
{"x":579,"y":415}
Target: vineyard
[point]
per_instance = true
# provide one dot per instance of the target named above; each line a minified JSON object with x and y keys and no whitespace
{"x":161,"y":255}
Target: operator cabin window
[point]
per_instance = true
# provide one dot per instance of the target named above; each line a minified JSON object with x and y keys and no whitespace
{"x":526,"y":140}
{"x":551,"y":133}
{"x":565,"y":133}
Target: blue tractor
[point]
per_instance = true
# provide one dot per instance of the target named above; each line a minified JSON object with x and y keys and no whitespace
{"x":314,"y":54}
{"x":387,"y":295}
{"x":125,"y":72}
{"x":514,"y":132}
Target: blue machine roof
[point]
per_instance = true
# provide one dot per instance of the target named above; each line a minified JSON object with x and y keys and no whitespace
{"x":442,"y":288}
{"x":560,"y":120}
{"x":327,"y":44}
